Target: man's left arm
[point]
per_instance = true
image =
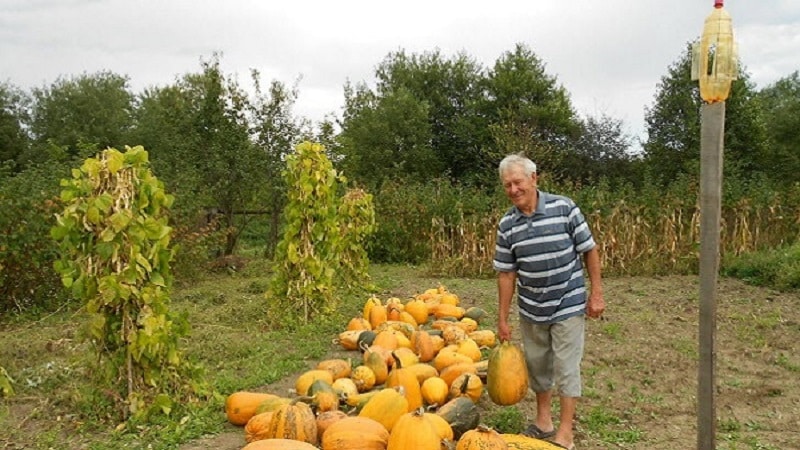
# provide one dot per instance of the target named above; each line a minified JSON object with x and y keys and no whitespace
{"x":595,"y":304}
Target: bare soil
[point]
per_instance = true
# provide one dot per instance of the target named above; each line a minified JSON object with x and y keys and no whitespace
{"x":641,"y":367}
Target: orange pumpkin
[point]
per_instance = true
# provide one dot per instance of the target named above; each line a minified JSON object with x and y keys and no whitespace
{"x":294,"y":421}
{"x":355,"y":432}
{"x":400,"y":376}
{"x":257,"y":427}
{"x":279,"y":444}
{"x":241,"y":406}
{"x":326,"y":419}
{"x":339,"y":368}
{"x":481,"y":438}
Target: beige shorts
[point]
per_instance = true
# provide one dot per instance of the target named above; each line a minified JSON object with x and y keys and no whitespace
{"x":553,"y":353}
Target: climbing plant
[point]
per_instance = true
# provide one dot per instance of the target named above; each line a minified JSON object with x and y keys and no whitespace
{"x":318,"y":249}
{"x":115,"y":255}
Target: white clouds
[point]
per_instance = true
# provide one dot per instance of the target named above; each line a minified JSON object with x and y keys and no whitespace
{"x":609,"y":55}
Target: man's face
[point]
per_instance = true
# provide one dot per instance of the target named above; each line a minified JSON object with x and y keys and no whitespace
{"x":520,"y":189}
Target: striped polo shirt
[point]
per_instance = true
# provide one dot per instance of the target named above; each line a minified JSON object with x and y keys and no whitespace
{"x":544,"y":250}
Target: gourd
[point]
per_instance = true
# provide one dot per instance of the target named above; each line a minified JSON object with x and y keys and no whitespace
{"x":326,"y":419}
{"x":385,"y":407}
{"x":507,"y":375}
{"x":481,"y":438}
{"x":355,"y":433}
{"x":363,"y":377}
{"x":418,"y":310}
{"x":414,"y":430}
{"x":305,"y":380}
{"x":279,"y":444}
{"x":241,"y":406}
{"x":434,"y":391}
{"x":294,"y":421}
{"x":468,"y":385}
{"x":339,"y":368}
{"x":520,"y":442}
{"x":257,"y":427}
{"x":484,"y":338}
{"x":423,"y":371}
{"x":461,"y":413}
{"x":422,"y":344}
{"x":400,"y":376}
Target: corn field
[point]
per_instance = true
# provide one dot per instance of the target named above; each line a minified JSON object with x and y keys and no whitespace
{"x":633,"y":239}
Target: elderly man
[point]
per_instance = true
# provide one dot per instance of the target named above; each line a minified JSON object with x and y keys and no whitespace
{"x":543,"y":244}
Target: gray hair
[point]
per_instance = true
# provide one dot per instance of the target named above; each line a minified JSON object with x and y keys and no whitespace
{"x":517,"y":160}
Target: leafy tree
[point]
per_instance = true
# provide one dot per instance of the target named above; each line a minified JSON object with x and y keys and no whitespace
{"x":415,"y":118}
{"x":601,"y":150}
{"x":14,"y":141}
{"x":673,"y":125}
{"x":80,"y":114}
{"x":527,"y":104}
{"x":781,"y":105}
{"x":387,"y":136}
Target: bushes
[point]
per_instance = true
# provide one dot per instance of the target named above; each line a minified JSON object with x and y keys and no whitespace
{"x":779,"y":269}
{"x":28,"y":202}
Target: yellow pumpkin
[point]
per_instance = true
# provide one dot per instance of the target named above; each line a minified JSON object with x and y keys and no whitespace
{"x":469,"y":348}
{"x":468,"y":385}
{"x":372,"y":301}
{"x":434,"y":391}
{"x":363,"y":377}
{"x":484,"y":338}
{"x":308,"y":377}
{"x":507,"y":375}
{"x":520,"y":442}
{"x":344,"y":386}
{"x":418,"y":310}
{"x":423,"y":371}
{"x":481,"y":438}
{"x":400,"y":376}
{"x":385,"y":407}
{"x":414,"y":430}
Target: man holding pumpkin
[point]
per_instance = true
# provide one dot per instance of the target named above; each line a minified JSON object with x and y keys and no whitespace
{"x":543,"y":243}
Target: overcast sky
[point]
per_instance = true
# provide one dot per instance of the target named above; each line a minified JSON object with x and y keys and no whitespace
{"x":608,"y":54}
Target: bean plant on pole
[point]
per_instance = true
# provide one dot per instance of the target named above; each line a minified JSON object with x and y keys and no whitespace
{"x":115,"y":256}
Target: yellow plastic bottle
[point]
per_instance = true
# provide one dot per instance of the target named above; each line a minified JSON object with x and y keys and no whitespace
{"x":715,"y":57}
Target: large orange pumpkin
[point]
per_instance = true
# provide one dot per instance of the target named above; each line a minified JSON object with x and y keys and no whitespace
{"x":294,"y":421}
{"x":507,"y":375}
{"x":414,"y":430}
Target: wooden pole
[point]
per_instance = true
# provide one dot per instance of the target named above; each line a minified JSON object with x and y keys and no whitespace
{"x":712,"y":129}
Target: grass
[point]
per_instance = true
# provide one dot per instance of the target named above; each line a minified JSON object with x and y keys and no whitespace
{"x":638,"y":372}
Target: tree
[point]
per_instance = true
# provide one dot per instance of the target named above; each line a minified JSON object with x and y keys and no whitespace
{"x":528,"y":110}
{"x":781,"y":105}
{"x":386,"y":137}
{"x":80,"y":114}
{"x":673,"y":125}
{"x":416,"y":118}
{"x":601,"y":150}
{"x":14,"y":141}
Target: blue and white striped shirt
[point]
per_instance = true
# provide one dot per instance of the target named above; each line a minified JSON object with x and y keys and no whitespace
{"x":545,"y":249}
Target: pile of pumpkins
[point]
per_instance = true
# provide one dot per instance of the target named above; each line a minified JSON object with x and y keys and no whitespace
{"x":417,"y":373}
